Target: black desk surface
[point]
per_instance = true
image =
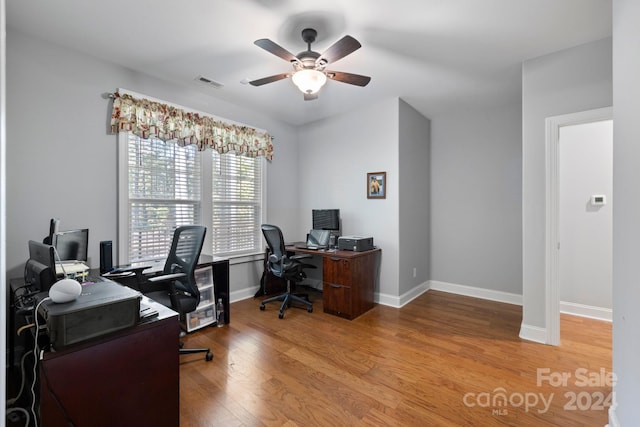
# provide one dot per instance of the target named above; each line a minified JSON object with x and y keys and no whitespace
{"x":20,"y":315}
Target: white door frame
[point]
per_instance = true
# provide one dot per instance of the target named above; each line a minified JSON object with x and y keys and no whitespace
{"x":552,"y":255}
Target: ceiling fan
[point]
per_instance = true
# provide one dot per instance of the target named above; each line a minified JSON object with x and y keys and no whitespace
{"x":309,"y":72}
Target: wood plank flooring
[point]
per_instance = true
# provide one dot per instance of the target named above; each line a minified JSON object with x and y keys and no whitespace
{"x":442,"y":360}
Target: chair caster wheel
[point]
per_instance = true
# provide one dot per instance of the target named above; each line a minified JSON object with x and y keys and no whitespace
{"x":310,"y":309}
{"x":262,"y":307}
{"x":209,"y":356}
{"x":281,"y":315}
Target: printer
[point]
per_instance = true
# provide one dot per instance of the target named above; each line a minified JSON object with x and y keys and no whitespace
{"x":102,"y":308}
{"x":355,"y":243}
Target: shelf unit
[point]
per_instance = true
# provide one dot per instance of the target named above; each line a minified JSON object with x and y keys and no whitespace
{"x":212,"y":278}
{"x":205,"y":313}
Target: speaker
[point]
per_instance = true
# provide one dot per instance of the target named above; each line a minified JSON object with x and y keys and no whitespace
{"x":106,"y":256}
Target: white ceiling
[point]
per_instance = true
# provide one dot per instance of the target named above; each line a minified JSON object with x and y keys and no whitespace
{"x":435,"y":54}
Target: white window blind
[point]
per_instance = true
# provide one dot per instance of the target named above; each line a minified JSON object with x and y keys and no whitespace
{"x":164,"y":181}
{"x":237,"y":196}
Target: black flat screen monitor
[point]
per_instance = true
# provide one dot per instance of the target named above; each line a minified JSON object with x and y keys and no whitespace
{"x":39,"y":270}
{"x":54,"y":224}
{"x":326,"y":219}
{"x":72,"y":245}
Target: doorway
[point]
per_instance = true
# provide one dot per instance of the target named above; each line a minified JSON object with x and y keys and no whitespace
{"x":554,"y":127}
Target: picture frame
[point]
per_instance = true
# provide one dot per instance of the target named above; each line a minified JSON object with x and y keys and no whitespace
{"x":376,"y":185}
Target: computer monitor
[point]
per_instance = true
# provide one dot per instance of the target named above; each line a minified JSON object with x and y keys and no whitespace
{"x":54,"y":225}
{"x":40,"y":269}
{"x":319,"y":238}
{"x":72,"y":245}
{"x":326,"y":219}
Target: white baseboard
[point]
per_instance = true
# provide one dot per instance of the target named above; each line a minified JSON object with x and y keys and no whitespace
{"x":407,"y":297}
{"x":249,"y":292}
{"x":589,"y":311}
{"x":527,"y":332}
{"x":245,"y":293}
{"x":613,"y":418}
{"x":488,"y":294}
{"x":533,"y":333}
{"x":399,"y":301}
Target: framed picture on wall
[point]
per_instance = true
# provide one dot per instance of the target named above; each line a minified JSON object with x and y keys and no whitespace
{"x":376,"y":185}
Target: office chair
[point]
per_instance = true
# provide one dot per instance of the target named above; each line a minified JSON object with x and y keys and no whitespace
{"x":286,"y":267}
{"x":179,"y":289}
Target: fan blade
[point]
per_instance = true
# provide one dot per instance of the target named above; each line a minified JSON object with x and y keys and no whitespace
{"x":339,"y":50}
{"x":352,"y":79}
{"x":310,"y":96}
{"x":276,"y":49}
{"x":270,"y":79}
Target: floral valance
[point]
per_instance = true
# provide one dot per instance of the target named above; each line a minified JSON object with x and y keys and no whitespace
{"x":149,"y":119}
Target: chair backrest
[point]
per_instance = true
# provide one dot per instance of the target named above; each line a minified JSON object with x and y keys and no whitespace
{"x":275,"y":240}
{"x":184,"y":254}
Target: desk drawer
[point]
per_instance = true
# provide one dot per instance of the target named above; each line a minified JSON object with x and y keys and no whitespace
{"x":203,"y":315}
{"x":336,"y":271}
{"x":336,"y":299}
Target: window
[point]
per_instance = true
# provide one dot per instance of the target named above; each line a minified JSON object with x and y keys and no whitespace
{"x":164,"y":192}
{"x":237,"y":196}
{"x":164,"y":185}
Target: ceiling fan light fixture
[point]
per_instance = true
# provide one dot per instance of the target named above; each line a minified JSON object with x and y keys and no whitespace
{"x":309,"y":81}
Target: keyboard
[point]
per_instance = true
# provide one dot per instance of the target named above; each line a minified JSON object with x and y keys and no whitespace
{"x":310,"y":247}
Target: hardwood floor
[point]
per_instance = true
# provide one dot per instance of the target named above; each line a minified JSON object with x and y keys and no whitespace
{"x":442,"y":360}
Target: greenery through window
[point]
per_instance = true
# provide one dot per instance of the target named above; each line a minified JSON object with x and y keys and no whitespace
{"x":168,"y":185}
{"x":164,"y":193}
{"x":237,"y":204}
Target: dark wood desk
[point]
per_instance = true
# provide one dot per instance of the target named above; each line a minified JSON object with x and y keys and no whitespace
{"x":220,"y":267}
{"x":348,"y":280}
{"x":129,"y":377}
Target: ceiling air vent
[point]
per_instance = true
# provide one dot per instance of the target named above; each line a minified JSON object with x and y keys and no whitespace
{"x":209,"y":82}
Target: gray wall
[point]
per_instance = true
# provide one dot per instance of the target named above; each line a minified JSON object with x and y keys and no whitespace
{"x":586,"y":168}
{"x":626,"y":215}
{"x":3,"y":283}
{"x":62,"y":163}
{"x":476,"y":198}
{"x":392,"y":137}
{"x":414,"y":144}
{"x":335,"y":156}
{"x":568,"y":81}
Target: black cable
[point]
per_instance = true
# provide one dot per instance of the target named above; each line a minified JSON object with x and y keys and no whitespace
{"x":23,"y":377}
{"x":21,"y":301}
{"x":35,"y":362}
{"x":25,"y":286}
{"x":43,"y":370}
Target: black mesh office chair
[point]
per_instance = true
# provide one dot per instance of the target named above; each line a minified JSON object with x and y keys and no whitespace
{"x":287,"y":267}
{"x":179,"y":290}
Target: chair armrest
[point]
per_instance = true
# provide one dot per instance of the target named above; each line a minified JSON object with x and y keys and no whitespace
{"x":273,"y":258}
{"x":166,"y":277}
{"x":128,"y":269}
{"x":300,"y":256}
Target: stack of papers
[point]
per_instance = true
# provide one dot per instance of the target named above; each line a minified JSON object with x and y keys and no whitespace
{"x":72,"y":270}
